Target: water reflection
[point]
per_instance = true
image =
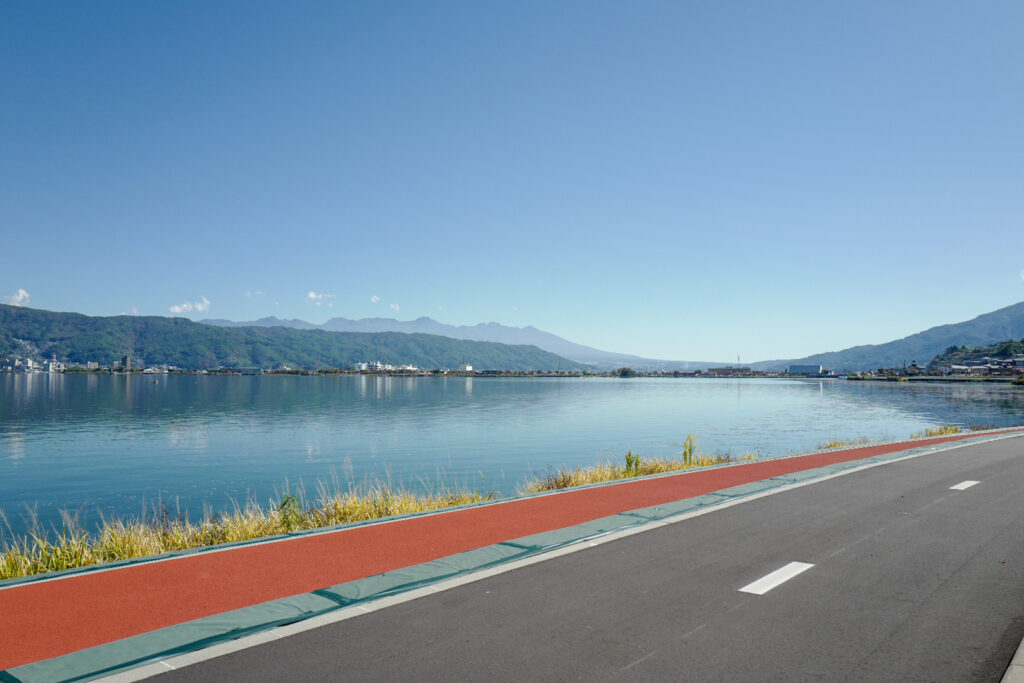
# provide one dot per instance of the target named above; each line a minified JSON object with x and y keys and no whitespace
{"x":13,"y":446}
{"x":187,"y":436}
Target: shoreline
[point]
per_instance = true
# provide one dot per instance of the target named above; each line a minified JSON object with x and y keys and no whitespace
{"x":39,"y":551}
{"x":530,"y":374}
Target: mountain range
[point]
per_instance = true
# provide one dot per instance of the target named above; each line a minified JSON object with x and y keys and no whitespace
{"x":272,"y":342}
{"x":491,"y":332}
{"x":1000,"y":325}
{"x":156,"y":340}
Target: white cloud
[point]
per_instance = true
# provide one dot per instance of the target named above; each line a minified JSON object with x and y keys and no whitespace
{"x":374,"y":299}
{"x":258,"y":292}
{"x":319,"y":299}
{"x":393,"y":307}
{"x":1021,"y":277}
{"x":19,"y":298}
{"x":189,"y":306}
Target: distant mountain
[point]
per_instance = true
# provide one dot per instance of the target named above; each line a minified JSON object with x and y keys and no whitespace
{"x":156,"y":340}
{"x":990,"y":328}
{"x":491,"y":332}
{"x":270,"y":321}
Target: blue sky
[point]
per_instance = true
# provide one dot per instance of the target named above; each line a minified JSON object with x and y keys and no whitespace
{"x":678,"y":180}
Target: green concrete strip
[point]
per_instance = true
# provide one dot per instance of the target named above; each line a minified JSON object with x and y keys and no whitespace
{"x":150,"y":647}
{"x":750,"y":489}
{"x":666,"y":510}
{"x":573,"y":534}
{"x":123,"y":654}
{"x":417,"y":576}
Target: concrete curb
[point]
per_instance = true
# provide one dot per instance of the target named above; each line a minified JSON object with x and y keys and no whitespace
{"x":1015,"y":672}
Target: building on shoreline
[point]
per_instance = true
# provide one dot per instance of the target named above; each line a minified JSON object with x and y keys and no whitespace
{"x":728,"y":371}
{"x":806,"y":369}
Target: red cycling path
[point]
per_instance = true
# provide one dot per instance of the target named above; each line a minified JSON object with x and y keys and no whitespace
{"x":49,"y":618}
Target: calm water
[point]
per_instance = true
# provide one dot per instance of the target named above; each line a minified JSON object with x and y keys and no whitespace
{"x":118,"y":445}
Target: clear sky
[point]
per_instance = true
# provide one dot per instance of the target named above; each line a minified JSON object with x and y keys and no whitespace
{"x":679,"y":180}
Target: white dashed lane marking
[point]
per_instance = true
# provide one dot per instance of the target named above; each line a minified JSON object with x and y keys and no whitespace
{"x":776,"y":578}
{"x":964,"y":485}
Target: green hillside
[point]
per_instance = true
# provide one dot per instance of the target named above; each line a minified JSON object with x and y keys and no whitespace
{"x":990,"y":328}
{"x":155,"y":340}
{"x":959,"y":355}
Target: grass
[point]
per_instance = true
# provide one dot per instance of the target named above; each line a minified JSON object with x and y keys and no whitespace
{"x":937,"y":431}
{"x":944,"y":430}
{"x":119,"y":539}
{"x":843,"y":443}
{"x":633,"y":466}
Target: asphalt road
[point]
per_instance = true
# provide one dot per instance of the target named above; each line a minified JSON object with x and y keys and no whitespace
{"x":910,"y":580}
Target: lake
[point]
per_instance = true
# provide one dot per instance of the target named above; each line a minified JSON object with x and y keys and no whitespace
{"x":119,"y":445}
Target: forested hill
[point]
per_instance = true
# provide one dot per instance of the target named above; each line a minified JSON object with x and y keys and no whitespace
{"x":155,"y":340}
{"x":958,"y":355}
{"x":494,"y":332}
{"x":989,"y":328}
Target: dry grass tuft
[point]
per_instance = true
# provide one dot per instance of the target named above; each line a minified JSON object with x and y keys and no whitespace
{"x":634,"y":466}
{"x":120,"y":539}
{"x":936,"y":431}
{"x":842,"y":443}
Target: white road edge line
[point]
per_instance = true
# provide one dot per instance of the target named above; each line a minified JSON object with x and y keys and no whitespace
{"x":964,"y":485}
{"x":776,"y":578}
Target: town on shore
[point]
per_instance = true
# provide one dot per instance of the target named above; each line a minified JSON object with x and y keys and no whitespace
{"x":998,"y":369}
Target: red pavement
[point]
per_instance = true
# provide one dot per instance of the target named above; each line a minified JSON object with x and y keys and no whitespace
{"x":50,"y":618}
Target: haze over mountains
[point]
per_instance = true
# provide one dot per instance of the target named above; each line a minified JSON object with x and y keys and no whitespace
{"x":1000,"y":325}
{"x":489,"y":332}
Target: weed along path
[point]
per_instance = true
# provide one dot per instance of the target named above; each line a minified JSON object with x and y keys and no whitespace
{"x":51,"y":615}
